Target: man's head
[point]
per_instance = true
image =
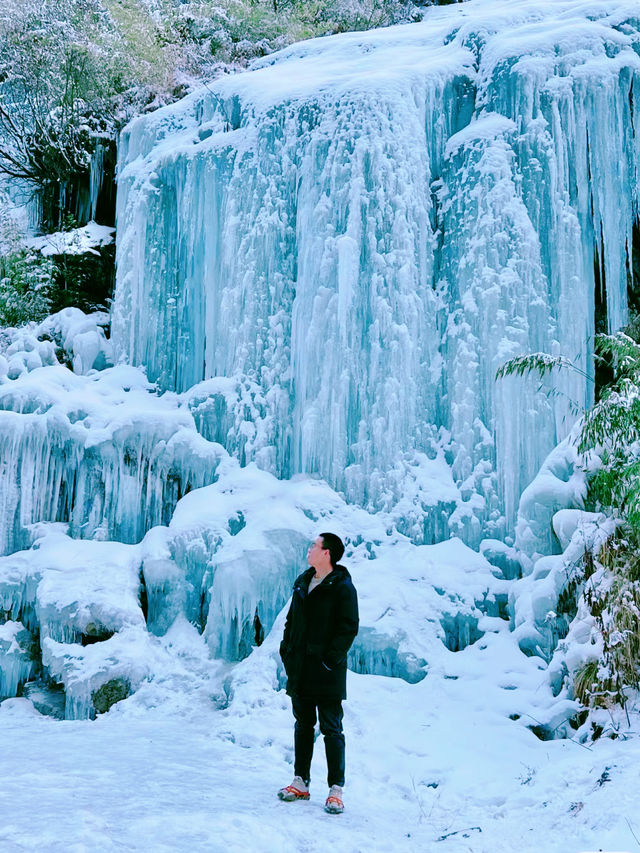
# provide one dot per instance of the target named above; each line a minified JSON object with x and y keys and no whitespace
{"x":325,"y":551}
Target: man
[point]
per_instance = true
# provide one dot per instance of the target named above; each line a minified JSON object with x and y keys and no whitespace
{"x":321,"y":625}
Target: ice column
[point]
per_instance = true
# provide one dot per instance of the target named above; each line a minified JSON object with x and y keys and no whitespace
{"x":498,"y":306}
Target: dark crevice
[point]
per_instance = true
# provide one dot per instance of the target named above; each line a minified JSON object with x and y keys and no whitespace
{"x":66,"y":498}
{"x":204,"y":609}
{"x":566,"y":610}
{"x":600,"y":294}
{"x":95,"y":633}
{"x":236,"y":523}
{"x":542,"y":732}
{"x":579,"y":719}
{"x":47,"y":697}
{"x":258,"y":630}
{"x":495,"y":604}
{"x":633,"y":278}
{"x":143,"y":597}
{"x":603,"y":370}
{"x":460,"y":630}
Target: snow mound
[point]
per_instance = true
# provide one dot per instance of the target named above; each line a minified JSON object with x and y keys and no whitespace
{"x":70,"y":336}
{"x":77,"y":241}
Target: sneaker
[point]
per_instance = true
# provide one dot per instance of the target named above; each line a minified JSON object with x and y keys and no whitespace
{"x":334,"y":804}
{"x":297,"y":790}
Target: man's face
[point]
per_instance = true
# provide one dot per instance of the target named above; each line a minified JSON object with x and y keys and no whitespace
{"x":317,"y":553}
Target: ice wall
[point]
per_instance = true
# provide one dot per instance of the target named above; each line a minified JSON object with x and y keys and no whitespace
{"x":331,"y":307}
{"x":103,"y":452}
{"x":116,"y":488}
{"x":100,"y":619}
{"x":367,"y":226}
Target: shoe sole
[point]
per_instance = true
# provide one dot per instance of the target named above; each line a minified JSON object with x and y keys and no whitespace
{"x":287,"y":798}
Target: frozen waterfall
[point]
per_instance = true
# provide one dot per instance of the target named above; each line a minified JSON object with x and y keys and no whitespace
{"x":367,"y":226}
{"x":322,"y":262}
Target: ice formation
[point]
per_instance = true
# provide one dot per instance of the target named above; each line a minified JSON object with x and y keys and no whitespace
{"x":101,"y":611}
{"x":322,"y":262}
{"x":561,"y":482}
{"x":101,"y":451}
{"x":16,"y":660}
{"x":534,"y":598}
{"x":368,"y":226}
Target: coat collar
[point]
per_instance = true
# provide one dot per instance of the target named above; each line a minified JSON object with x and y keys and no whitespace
{"x":339,"y":573}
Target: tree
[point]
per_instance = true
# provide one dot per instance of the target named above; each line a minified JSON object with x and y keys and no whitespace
{"x":67,"y":81}
{"x":25,"y":287}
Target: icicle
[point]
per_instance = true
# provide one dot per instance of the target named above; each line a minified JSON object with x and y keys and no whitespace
{"x":16,"y":662}
{"x":96,"y":177}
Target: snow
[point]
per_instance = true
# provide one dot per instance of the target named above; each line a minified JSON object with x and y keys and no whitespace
{"x":321,"y":264}
{"x":70,"y":335}
{"x":77,"y":241}
{"x":441,"y":697}
{"x":101,"y":451}
{"x":561,"y":483}
{"x":533,"y":599}
{"x":182,"y":776}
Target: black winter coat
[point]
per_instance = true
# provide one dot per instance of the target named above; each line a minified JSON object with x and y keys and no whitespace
{"x":320,"y":628}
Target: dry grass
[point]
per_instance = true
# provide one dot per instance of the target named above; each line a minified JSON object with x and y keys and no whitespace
{"x":585,"y":682}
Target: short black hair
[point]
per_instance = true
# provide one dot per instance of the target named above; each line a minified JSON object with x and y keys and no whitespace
{"x":332,"y":544}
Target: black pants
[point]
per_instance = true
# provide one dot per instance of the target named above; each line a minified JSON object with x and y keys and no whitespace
{"x":330,"y":716}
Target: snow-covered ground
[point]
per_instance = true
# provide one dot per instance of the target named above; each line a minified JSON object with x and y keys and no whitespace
{"x":431,"y":766}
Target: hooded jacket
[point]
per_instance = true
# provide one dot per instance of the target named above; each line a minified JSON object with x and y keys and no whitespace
{"x":320,"y":628}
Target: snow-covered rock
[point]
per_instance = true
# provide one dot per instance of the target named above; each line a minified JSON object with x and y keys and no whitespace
{"x":77,"y":241}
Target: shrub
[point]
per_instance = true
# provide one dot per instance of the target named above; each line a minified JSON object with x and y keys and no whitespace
{"x":611,"y":428}
{"x":26,"y":281}
{"x":615,"y":606}
{"x":585,"y":682}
